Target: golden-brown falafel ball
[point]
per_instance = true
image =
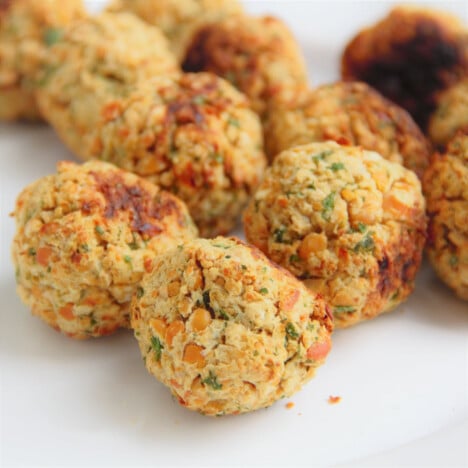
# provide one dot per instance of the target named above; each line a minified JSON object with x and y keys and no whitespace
{"x":96,"y":60}
{"x":446,"y":190}
{"x":409,"y":56}
{"x":351,"y":113}
{"x":345,"y":220}
{"x":27,"y":29}
{"x":194,"y":136}
{"x":84,"y":238}
{"x":179,"y":19}
{"x":227,"y":330}
{"x":258,"y":55}
{"x":451,"y":114}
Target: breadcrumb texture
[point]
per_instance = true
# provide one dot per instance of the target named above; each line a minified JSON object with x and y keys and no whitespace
{"x":450,"y":115}
{"x":27,"y":29}
{"x":227,"y":330}
{"x":349,"y":113}
{"x":446,"y":190}
{"x":195,"y":136}
{"x":258,"y":55}
{"x":346,"y":221}
{"x":409,"y":56}
{"x":84,"y":238}
{"x":179,"y":19}
{"x":96,"y":61}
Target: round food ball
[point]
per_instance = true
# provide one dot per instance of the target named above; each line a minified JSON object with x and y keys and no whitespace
{"x":344,"y":220}
{"x":179,"y":19}
{"x":27,"y":29}
{"x":96,"y":61}
{"x":258,"y":55}
{"x":84,"y":238}
{"x":350,"y":113}
{"x":409,"y":56}
{"x":195,"y":136}
{"x":227,"y":330}
{"x":450,"y":115}
{"x":446,"y":189}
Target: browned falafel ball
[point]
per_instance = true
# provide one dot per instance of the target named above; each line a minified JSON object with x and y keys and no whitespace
{"x":84,"y":238}
{"x":348,"y":113}
{"x":194,"y":136}
{"x":227,"y":330}
{"x":446,"y":190}
{"x":27,"y":29}
{"x":346,"y":221}
{"x":179,"y":19}
{"x":258,"y":55}
{"x":450,"y":115}
{"x":97,"y":60}
{"x":409,"y":56}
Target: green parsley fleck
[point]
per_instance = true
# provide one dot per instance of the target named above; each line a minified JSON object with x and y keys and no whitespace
{"x":85,"y":247}
{"x":344,"y":309}
{"x":337,"y":167}
{"x":223,"y":314}
{"x":328,"y":205}
{"x":278,"y":234}
{"x":234,"y":122}
{"x":365,"y":245}
{"x":31,"y":251}
{"x":291,"y":331}
{"x":321,"y":156}
{"x":157,"y":346}
{"x":127,"y":259}
{"x":244,"y":267}
{"x":294,"y":258}
{"x":52,"y":36}
{"x":361,"y":227}
{"x":99,"y":230}
{"x":311,"y":186}
{"x":212,"y":381}
{"x":140,"y":292}
{"x":263,"y":291}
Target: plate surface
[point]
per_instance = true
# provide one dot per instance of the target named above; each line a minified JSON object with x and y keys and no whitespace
{"x":403,"y":377}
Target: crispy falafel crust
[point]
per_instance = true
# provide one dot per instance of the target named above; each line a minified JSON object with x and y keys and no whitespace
{"x":227,"y":330}
{"x":258,"y":55}
{"x":84,"y":238}
{"x":350,"y":113}
{"x":346,"y":221}
{"x":194,"y":136}
{"x":446,"y":190}
{"x":409,"y":56}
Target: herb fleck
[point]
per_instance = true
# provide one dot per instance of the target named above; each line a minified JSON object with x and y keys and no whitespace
{"x":140,"y":292}
{"x":279,"y":233}
{"x":365,"y":245}
{"x":294,"y":258}
{"x":328,"y":205}
{"x":99,"y":230}
{"x":321,"y":156}
{"x":157,"y":346}
{"x":52,"y":36}
{"x":127,"y":259}
{"x":199,"y":100}
{"x":212,"y":381}
{"x":223,"y":314}
{"x":234,"y":122}
{"x":337,"y":167}
{"x":291,"y":331}
{"x":344,"y":309}
{"x":31,"y":251}
{"x":263,"y":291}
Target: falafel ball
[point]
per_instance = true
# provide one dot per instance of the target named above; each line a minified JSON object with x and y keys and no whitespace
{"x":84,"y":238}
{"x":179,"y":19}
{"x":194,"y":136}
{"x":227,"y":330}
{"x":446,"y":190}
{"x":346,"y":221}
{"x":97,"y":60}
{"x":351,"y":113}
{"x":409,"y":56}
{"x":258,"y":55}
{"x":27,"y":29}
{"x":451,"y":114}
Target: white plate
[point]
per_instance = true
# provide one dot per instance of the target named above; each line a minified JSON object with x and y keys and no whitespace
{"x":403,"y":377}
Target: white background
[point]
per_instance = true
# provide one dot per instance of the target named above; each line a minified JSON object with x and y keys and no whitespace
{"x":403,"y":377}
